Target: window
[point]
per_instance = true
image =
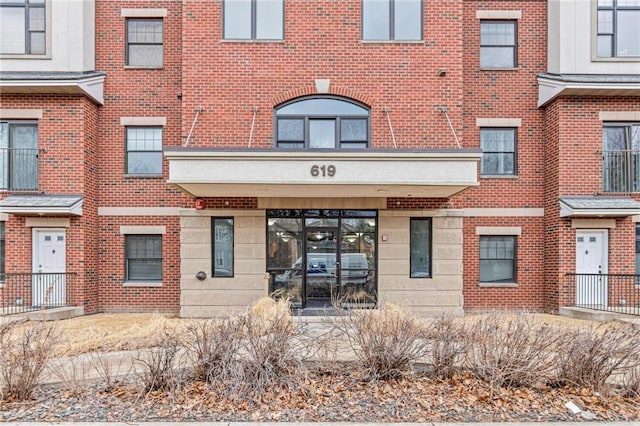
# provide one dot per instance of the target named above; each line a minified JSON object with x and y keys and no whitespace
{"x":637,"y":252}
{"x":18,"y":156}
{"x":143,"y":255}
{"x":254,"y":19}
{"x":222,"y":247}
{"x":2,"y":256}
{"x":497,"y":259}
{"x":22,"y":27}
{"x":322,"y":123}
{"x":498,"y":151}
{"x":392,"y":20}
{"x":498,"y":44}
{"x":144,"y":43}
{"x":621,"y":157}
{"x":618,"y":28}
{"x":144,"y":150}
{"x":420,"y":247}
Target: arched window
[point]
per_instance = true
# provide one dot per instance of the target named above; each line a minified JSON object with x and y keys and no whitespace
{"x":327,"y":123}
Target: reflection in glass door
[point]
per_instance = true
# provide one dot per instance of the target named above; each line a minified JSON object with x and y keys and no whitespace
{"x":319,"y":258}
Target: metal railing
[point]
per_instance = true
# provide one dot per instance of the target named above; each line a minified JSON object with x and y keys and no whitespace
{"x":621,"y":171}
{"x":606,"y":292}
{"x":19,"y":169}
{"x":24,"y":292}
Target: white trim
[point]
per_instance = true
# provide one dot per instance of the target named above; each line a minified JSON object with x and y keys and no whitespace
{"x":143,"y":13}
{"x":223,"y":212}
{"x":143,"y":121}
{"x":8,"y":114}
{"x":498,"y":122}
{"x":4,"y":217}
{"x":498,"y":14}
{"x":619,"y":115}
{"x":498,"y":285}
{"x":141,"y":284}
{"x":138,"y":211}
{"x":498,"y":230}
{"x":593,"y":223}
{"x":322,"y":85}
{"x":634,"y":219}
{"x":513,"y":212}
{"x":131,"y":230}
{"x":47,"y":222}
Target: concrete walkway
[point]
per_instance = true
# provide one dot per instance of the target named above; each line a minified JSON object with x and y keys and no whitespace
{"x":330,"y":424}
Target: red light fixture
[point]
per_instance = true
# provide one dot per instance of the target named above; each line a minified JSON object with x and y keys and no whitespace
{"x":199,"y":203}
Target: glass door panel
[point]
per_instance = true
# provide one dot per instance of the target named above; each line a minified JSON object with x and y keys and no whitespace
{"x":357,"y":266}
{"x":284,"y":259}
{"x":322,"y":268}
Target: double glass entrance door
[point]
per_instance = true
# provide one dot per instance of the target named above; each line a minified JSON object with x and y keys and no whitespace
{"x":319,"y":260}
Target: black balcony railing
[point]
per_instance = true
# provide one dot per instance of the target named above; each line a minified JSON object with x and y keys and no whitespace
{"x":18,"y":169}
{"x":621,"y":171}
{"x":606,"y":292}
{"x":34,"y":291}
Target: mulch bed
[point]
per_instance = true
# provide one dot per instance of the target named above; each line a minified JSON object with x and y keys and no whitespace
{"x":339,"y":395}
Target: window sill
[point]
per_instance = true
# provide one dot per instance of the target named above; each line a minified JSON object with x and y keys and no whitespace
{"x":498,"y":285}
{"x":498,"y":176}
{"x":16,"y":56}
{"x":499,"y":69}
{"x":142,"y":284}
{"x":616,"y":59}
{"x":131,"y":176}
{"x":142,"y":67}
{"x":392,"y":41}
{"x":251,"y":40}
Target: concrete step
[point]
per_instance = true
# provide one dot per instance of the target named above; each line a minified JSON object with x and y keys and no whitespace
{"x":52,"y":314}
{"x":595,"y":315}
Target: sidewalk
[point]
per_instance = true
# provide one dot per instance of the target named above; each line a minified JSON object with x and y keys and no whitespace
{"x":331,"y":424}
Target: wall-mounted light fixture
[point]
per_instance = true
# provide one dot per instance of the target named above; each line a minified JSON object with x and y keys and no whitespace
{"x":201,"y":275}
{"x":199,"y":203}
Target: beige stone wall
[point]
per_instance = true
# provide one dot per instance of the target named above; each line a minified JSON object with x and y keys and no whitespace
{"x":422,"y":296}
{"x":215,"y":296}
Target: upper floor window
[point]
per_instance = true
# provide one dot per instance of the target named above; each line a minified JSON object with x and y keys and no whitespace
{"x":322,"y":123}
{"x":144,"y":150}
{"x":144,"y":43}
{"x":253,"y":19}
{"x":392,"y":20}
{"x":498,"y":44}
{"x":621,"y":157}
{"x":18,"y":156}
{"x":22,"y":27}
{"x":498,"y":151}
{"x":618,"y":28}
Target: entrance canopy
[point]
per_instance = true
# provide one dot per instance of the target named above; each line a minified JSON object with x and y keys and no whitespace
{"x":204,"y":172}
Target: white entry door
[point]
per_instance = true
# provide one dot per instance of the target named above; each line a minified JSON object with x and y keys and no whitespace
{"x":49,"y":266}
{"x":592,"y":261}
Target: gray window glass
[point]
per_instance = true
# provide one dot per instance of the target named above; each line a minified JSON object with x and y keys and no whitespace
{"x":420,"y":247}
{"x":497,"y":259}
{"x":353,"y":130}
{"x":498,"y":151}
{"x":143,"y":254}
{"x":322,"y":106}
{"x":621,"y":157}
{"x":628,"y":36}
{"x":375,"y":20}
{"x":144,"y":150}
{"x":291,"y":130}
{"x":12,"y":30}
{"x":322,"y":134}
{"x":22,"y":27}
{"x":253,"y":19}
{"x":269,"y":19}
{"x":392,"y":20}
{"x":144,"y":42}
{"x":222,"y":247}
{"x":497,"y":44}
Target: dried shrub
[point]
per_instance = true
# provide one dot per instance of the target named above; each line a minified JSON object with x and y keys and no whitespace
{"x":589,"y":356}
{"x":387,"y":341}
{"x":110,"y":366}
{"x":272,"y":352}
{"x":448,"y":345}
{"x":631,"y":382}
{"x":214,"y":345}
{"x":159,"y":361}
{"x":71,"y":372}
{"x":511,"y":350}
{"x":24,"y":352}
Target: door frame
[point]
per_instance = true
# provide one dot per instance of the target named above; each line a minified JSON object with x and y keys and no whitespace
{"x":604,"y":269}
{"x":35,"y":257}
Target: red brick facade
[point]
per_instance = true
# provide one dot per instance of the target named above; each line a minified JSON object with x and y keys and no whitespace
{"x":233,"y":88}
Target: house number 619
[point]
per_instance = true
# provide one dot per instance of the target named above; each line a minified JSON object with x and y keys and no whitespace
{"x":323,"y":170}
